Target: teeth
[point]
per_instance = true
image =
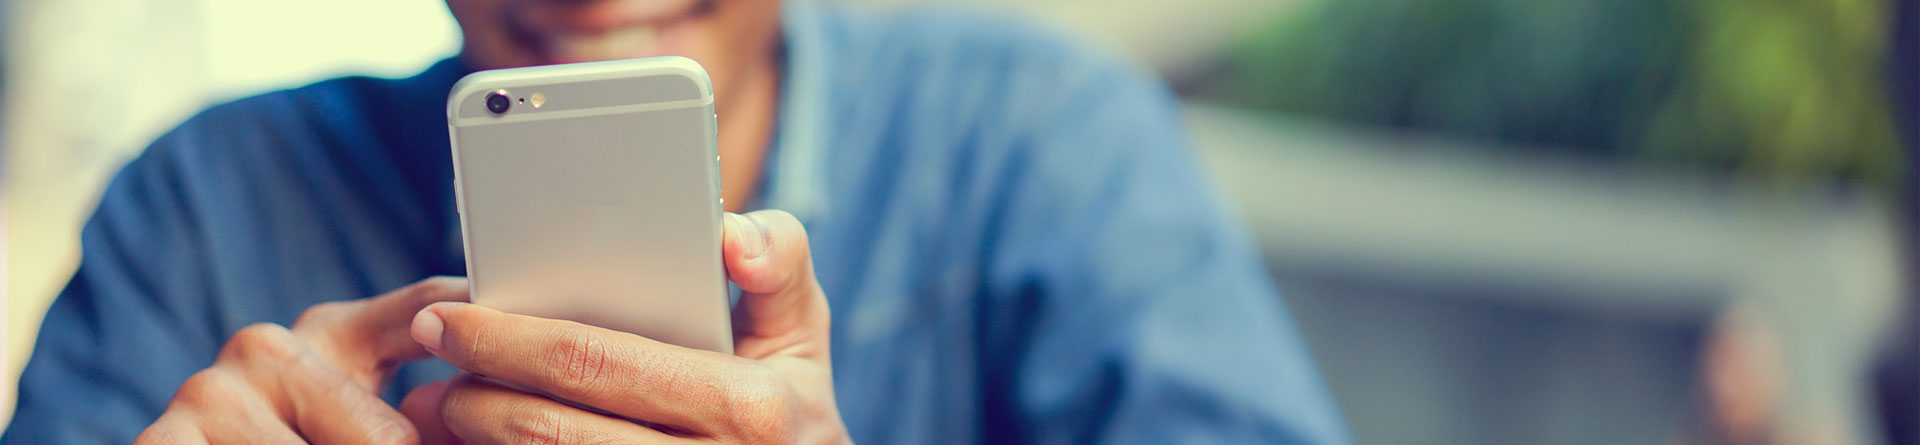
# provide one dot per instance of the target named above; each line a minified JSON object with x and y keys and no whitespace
{"x":617,"y":43}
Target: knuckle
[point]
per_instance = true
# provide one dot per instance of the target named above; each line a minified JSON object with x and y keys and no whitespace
{"x":580,"y":362}
{"x":205,"y":387}
{"x":758,"y":407}
{"x":531,"y":424}
{"x":323,"y":312}
{"x":263,"y":341}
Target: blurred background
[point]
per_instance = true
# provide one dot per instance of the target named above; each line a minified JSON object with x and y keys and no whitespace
{"x":1497,"y":221}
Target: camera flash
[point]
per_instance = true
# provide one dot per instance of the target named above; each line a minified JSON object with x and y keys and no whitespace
{"x":538,"y":99}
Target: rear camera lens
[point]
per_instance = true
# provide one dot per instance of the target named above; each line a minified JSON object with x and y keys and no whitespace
{"x":498,"y":103}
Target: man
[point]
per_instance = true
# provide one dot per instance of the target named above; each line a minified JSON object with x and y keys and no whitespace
{"x":1015,"y":244}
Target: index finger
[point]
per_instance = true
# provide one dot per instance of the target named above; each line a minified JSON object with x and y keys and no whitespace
{"x":617,"y":372}
{"x":368,"y":337}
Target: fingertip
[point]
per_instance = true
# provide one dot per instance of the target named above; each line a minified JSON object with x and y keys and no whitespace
{"x":440,"y":326}
{"x":429,"y":328}
{"x":747,"y":237}
{"x":424,"y":399}
{"x":768,"y":250}
{"x":422,"y":407}
{"x":730,"y":237}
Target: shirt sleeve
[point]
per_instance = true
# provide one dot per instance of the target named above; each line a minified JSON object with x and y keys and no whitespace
{"x":134,"y":322}
{"x":1133,"y":303}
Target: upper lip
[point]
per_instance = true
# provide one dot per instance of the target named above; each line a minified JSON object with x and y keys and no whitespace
{"x":594,"y":16}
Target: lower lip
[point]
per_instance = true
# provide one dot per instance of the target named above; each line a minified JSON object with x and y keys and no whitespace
{"x":666,"y":42}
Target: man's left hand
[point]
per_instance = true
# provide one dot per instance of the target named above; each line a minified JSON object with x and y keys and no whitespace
{"x":777,"y":389}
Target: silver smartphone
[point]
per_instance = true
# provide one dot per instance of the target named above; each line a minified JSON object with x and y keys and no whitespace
{"x":591,"y":192}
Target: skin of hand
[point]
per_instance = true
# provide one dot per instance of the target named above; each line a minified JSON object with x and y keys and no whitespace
{"x":318,"y":381}
{"x":778,"y":388}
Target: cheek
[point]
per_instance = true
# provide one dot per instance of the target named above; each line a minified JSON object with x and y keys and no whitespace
{"x":486,"y":41}
{"x":703,"y":43}
{"x":751,"y":26}
{"x":475,"y":15}
{"x":736,"y":37}
{"x":700,"y":45}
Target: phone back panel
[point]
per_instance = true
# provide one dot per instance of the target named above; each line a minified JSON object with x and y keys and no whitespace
{"x":603,"y":205}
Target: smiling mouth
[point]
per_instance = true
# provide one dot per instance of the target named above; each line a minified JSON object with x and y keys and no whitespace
{"x":640,"y":37}
{"x":637,"y":40}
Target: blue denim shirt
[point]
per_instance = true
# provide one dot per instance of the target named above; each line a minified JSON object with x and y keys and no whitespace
{"x":1012,"y":231}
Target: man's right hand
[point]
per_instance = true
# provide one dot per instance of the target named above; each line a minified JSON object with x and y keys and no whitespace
{"x":317,"y":382}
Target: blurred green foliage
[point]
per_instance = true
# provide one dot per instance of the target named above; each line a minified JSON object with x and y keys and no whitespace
{"x":1783,"y":90}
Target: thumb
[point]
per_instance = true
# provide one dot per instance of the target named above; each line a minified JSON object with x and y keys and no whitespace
{"x":781,"y":305}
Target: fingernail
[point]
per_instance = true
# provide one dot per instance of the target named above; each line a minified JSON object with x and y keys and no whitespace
{"x":427,"y":329}
{"x":753,"y":239}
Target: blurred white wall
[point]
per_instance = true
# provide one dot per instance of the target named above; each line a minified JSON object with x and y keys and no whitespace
{"x":90,"y":83}
{"x":255,"y":45}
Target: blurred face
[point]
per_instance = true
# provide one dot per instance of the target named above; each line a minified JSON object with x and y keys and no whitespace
{"x":728,"y":37}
